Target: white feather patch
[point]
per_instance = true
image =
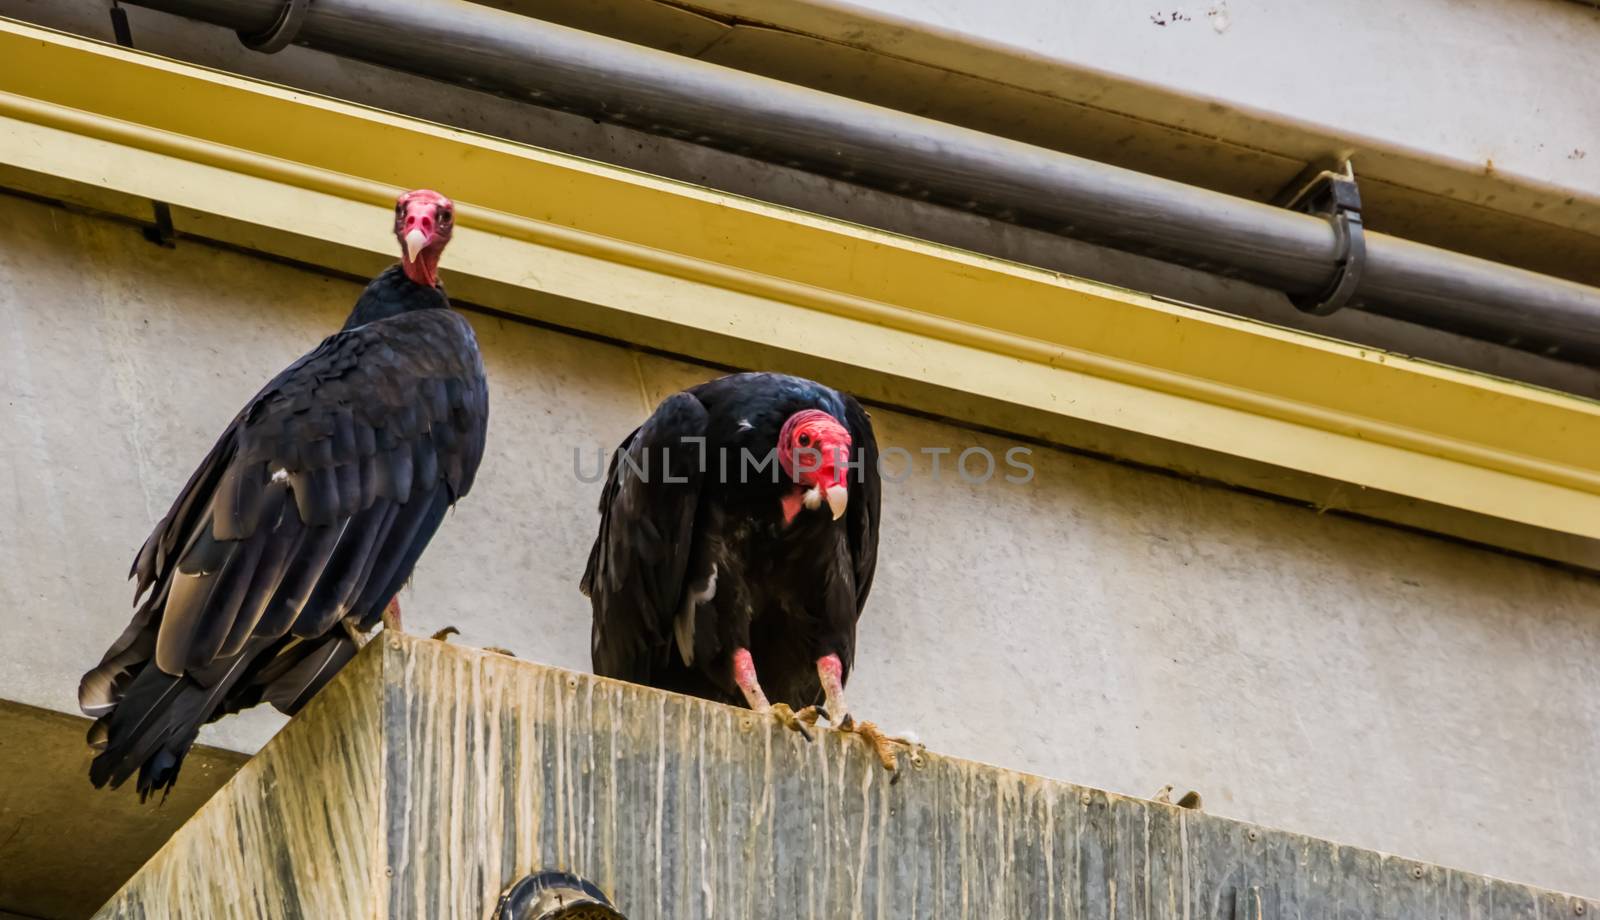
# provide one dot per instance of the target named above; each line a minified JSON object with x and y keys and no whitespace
{"x":280,"y":475}
{"x":683,"y":624}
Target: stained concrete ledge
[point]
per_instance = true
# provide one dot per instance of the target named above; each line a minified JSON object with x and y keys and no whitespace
{"x":428,"y":776}
{"x":65,"y":846}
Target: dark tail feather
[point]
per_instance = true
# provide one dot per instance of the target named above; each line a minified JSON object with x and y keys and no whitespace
{"x":104,"y":685}
{"x":288,"y":675}
{"x":156,"y":722}
{"x":149,"y":731}
{"x":292,"y":687}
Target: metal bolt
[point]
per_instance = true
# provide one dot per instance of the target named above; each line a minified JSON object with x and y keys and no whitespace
{"x":388,"y":871}
{"x":1416,"y":872}
{"x":1085,"y":798}
{"x":1579,"y":908}
{"x":394,"y":644}
{"x":1253,"y":834}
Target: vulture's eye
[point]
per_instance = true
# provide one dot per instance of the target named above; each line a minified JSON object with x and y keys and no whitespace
{"x":444,"y":217}
{"x":805,"y":440}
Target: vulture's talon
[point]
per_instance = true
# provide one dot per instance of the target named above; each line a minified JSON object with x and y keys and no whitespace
{"x":802,"y":721}
{"x":357,"y":636}
{"x":444,"y":635}
{"x":883,"y":746}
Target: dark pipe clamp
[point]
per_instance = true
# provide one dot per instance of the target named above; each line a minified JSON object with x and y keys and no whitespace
{"x":1335,"y":195}
{"x":277,"y":36}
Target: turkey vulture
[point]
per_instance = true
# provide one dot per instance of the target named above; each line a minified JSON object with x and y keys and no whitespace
{"x":738,"y":538}
{"x":302,"y":523}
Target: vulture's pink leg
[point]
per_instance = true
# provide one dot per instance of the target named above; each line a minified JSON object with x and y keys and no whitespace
{"x":830,"y":671}
{"x":744,"y":674}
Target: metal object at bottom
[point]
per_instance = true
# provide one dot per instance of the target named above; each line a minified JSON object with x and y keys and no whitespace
{"x":553,"y":895}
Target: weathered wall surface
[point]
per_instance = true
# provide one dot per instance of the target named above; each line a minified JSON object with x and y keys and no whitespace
{"x":1101,"y":624}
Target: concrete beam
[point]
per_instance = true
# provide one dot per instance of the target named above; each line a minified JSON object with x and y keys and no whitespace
{"x":427,"y":777}
{"x":64,"y":846}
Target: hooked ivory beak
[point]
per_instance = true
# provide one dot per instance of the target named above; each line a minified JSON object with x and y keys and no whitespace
{"x":838,"y":498}
{"x":414,"y":241}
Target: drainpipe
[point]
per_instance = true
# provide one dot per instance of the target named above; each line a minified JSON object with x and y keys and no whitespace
{"x":1307,"y":256}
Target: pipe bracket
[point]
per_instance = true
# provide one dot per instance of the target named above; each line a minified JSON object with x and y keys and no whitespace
{"x":1335,"y":195}
{"x":282,"y":32}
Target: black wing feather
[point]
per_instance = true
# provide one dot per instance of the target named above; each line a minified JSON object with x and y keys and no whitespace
{"x":278,"y":552}
{"x":866,"y":496}
{"x":636,"y":568}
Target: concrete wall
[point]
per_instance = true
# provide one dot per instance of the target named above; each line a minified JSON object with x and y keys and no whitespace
{"x":1101,"y":624}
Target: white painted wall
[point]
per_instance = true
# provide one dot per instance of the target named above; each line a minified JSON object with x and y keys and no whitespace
{"x":1104,"y":625}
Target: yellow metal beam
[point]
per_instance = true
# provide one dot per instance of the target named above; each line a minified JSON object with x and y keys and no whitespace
{"x":732,"y":280}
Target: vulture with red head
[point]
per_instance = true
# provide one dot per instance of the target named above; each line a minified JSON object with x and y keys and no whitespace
{"x":293,"y":536}
{"x":738,"y":540}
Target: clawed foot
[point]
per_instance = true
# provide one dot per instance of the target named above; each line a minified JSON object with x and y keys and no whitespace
{"x":357,"y":636}
{"x":444,"y":635}
{"x":883,"y":746}
{"x":830,"y":674}
{"x":803,"y":721}
{"x":1190,"y":799}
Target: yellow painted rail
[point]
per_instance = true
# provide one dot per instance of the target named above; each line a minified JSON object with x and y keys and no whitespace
{"x":737,"y":282}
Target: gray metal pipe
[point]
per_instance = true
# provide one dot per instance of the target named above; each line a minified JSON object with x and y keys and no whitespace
{"x":673,"y":96}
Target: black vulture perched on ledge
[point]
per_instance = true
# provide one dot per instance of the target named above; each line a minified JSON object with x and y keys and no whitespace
{"x":738,"y":540}
{"x":302,"y":523}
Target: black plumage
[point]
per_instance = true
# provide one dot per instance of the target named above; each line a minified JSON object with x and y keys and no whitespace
{"x":311,"y":509}
{"x":708,"y":554}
